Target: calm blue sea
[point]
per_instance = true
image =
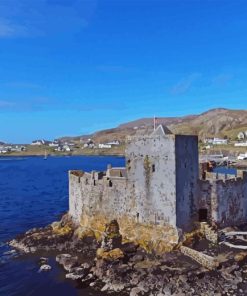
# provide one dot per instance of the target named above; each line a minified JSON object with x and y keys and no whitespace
{"x":33,"y":193}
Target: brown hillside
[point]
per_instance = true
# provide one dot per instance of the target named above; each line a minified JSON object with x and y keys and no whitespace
{"x":216,"y":122}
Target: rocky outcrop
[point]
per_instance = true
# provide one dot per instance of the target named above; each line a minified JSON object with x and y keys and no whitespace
{"x":118,"y":266}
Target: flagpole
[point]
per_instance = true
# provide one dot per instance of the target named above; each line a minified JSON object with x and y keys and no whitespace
{"x":154,"y":123}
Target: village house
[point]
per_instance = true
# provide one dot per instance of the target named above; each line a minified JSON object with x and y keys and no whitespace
{"x":114,"y":143}
{"x":241,"y":136}
{"x":89,"y":144}
{"x":54,"y":144}
{"x":216,"y":141}
{"x":102,"y":146}
{"x":39,"y":142}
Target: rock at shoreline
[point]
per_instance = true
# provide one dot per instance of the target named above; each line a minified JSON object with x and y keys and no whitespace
{"x":115,"y":266}
{"x":78,"y":272}
{"x":45,"y":267}
{"x":112,"y":255}
{"x":68,"y":261}
{"x":43,"y":260}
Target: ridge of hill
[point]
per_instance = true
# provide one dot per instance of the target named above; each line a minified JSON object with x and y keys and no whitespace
{"x":219,"y":122}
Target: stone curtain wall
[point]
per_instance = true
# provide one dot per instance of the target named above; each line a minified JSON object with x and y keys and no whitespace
{"x":91,"y":196}
{"x":93,"y":203}
{"x":225,"y":198}
{"x":231,"y":201}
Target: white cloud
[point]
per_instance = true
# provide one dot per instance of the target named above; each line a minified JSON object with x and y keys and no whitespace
{"x":185,"y":84}
{"x":44,"y":17}
{"x":8,"y":29}
{"x":6,"y":104}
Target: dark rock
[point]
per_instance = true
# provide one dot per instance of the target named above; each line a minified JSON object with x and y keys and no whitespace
{"x":77,"y":273}
{"x":43,"y":260}
{"x":111,"y":239}
{"x":67,"y":261}
{"x":137,"y":258}
{"x":88,"y":279}
{"x":129,"y":248}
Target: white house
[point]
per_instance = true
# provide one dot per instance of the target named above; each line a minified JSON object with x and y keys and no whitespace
{"x":242,"y":156}
{"x":66,"y":148}
{"x":241,"y":135}
{"x":113,"y":143}
{"x":242,"y":144}
{"x":89,"y":144}
{"x":38,"y":142}
{"x":107,"y":146}
{"x":218,"y":141}
{"x":53,"y":144}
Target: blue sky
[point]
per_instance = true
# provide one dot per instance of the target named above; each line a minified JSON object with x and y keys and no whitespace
{"x":71,"y":67}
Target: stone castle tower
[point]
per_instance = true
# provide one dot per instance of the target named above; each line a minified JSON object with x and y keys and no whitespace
{"x":162,"y":169}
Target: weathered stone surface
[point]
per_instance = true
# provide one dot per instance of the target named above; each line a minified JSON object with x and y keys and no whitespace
{"x":68,"y":261}
{"x":137,"y":258}
{"x":43,"y":260}
{"x":111,"y":255}
{"x":79,"y":272}
{"x":45,"y":267}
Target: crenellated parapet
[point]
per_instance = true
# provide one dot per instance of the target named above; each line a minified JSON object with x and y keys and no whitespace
{"x":224,"y":196}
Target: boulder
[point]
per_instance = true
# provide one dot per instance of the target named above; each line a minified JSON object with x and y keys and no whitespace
{"x":45,"y":267}
{"x":43,"y":260}
{"x":62,"y":257}
{"x":136,"y":291}
{"x":77,"y":273}
{"x":112,"y":255}
{"x":67,"y":261}
{"x":137,"y":258}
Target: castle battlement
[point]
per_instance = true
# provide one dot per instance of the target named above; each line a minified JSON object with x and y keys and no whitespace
{"x":215,"y":176}
{"x":159,"y":186}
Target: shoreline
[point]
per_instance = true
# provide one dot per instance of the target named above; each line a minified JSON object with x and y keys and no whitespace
{"x":110,"y":265}
{"x":58,"y":155}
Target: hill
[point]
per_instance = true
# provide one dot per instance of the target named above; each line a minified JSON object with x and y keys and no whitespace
{"x":218,"y":122}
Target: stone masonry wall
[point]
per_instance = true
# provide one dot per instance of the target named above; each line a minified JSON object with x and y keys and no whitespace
{"x":93,"y":203}
{"x":203,"y":259}
{"x":187,"y":174}
{"x":231,"y":201}
{"x":225,"y":198}
{"x":91,"y":197}
{"x":151,"y":172}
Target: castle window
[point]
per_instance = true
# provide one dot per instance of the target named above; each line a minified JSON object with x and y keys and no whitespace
{"x":110,"y":183}
{"x":94,"y":182}
{"x":137,"y":217}
{"x":86,"y":182}
{"x":153,"y":168}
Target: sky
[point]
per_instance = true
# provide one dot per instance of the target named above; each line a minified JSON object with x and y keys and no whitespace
{"x":72,"y":67}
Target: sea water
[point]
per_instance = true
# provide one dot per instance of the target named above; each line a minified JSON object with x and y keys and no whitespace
{"x":34,"y":193}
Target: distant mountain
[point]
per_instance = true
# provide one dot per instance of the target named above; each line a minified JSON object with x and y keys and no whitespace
{"x":218,"y":122}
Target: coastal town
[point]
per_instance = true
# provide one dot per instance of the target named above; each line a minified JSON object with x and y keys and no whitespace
{"x":226,"y":150}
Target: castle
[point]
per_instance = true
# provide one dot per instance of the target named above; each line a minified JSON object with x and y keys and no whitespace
{"x":159,"y":188}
